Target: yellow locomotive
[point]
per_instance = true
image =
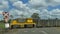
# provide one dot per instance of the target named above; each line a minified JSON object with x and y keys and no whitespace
{"x":22,"y":22}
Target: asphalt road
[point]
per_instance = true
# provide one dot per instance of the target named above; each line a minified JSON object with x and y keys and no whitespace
{"x":50,"y":30}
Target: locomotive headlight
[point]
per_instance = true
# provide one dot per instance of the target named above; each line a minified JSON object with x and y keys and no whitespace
{"x":30,"y":21}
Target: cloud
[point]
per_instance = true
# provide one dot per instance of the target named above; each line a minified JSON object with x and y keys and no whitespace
{"x":4,"y":5}
{"x":12,"y":1}
{"x":1,"y":16}
{"x":15,"y":12}
{"x":21,"y":8}
{"x":55,"y":13}
{"x":42,"y":6}
{"x":43,"y":3}
{"x":19,"y":5}
{"x":1,"y":12}
{"x":53,"y":2}
{"x":26,"y":13}
{"x":33,"y":6}
{"x":45,"y":14}
{"x":37,"y":2}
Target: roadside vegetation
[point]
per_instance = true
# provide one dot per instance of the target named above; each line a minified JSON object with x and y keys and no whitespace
{"x":2,"y":25}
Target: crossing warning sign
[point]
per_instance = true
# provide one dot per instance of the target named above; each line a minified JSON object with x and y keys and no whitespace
{"x":6,"y":16}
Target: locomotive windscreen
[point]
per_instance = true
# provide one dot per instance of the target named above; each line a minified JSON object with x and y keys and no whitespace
{"x":22,"y":20}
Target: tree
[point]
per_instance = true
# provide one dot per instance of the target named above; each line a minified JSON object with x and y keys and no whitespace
{"x":35,"y":15}
{"x":22,"y":16}
{"x":11,"y":16}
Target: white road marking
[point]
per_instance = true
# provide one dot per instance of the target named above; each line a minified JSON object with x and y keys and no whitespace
{"x":25,"y":31}
{"x":44,"y":32}
{"x":33,"y":31}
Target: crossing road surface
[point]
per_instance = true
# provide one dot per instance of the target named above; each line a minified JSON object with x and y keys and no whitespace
{"x":50,"y":30}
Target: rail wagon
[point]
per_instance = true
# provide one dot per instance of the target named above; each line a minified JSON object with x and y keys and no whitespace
{"x":49,"y":23}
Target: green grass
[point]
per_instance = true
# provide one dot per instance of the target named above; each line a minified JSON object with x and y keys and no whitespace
{"x":2,"y":25}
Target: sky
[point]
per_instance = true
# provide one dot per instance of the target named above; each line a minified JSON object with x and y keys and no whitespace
{"x":47,"y":9}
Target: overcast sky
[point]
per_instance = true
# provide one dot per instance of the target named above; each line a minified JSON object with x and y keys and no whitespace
{"x":45,"y":8}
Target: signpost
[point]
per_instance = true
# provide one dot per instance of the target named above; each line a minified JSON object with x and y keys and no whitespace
{"x":6,"y":18}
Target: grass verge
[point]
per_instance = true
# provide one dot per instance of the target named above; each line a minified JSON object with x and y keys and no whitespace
{"x":2,"y":25}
